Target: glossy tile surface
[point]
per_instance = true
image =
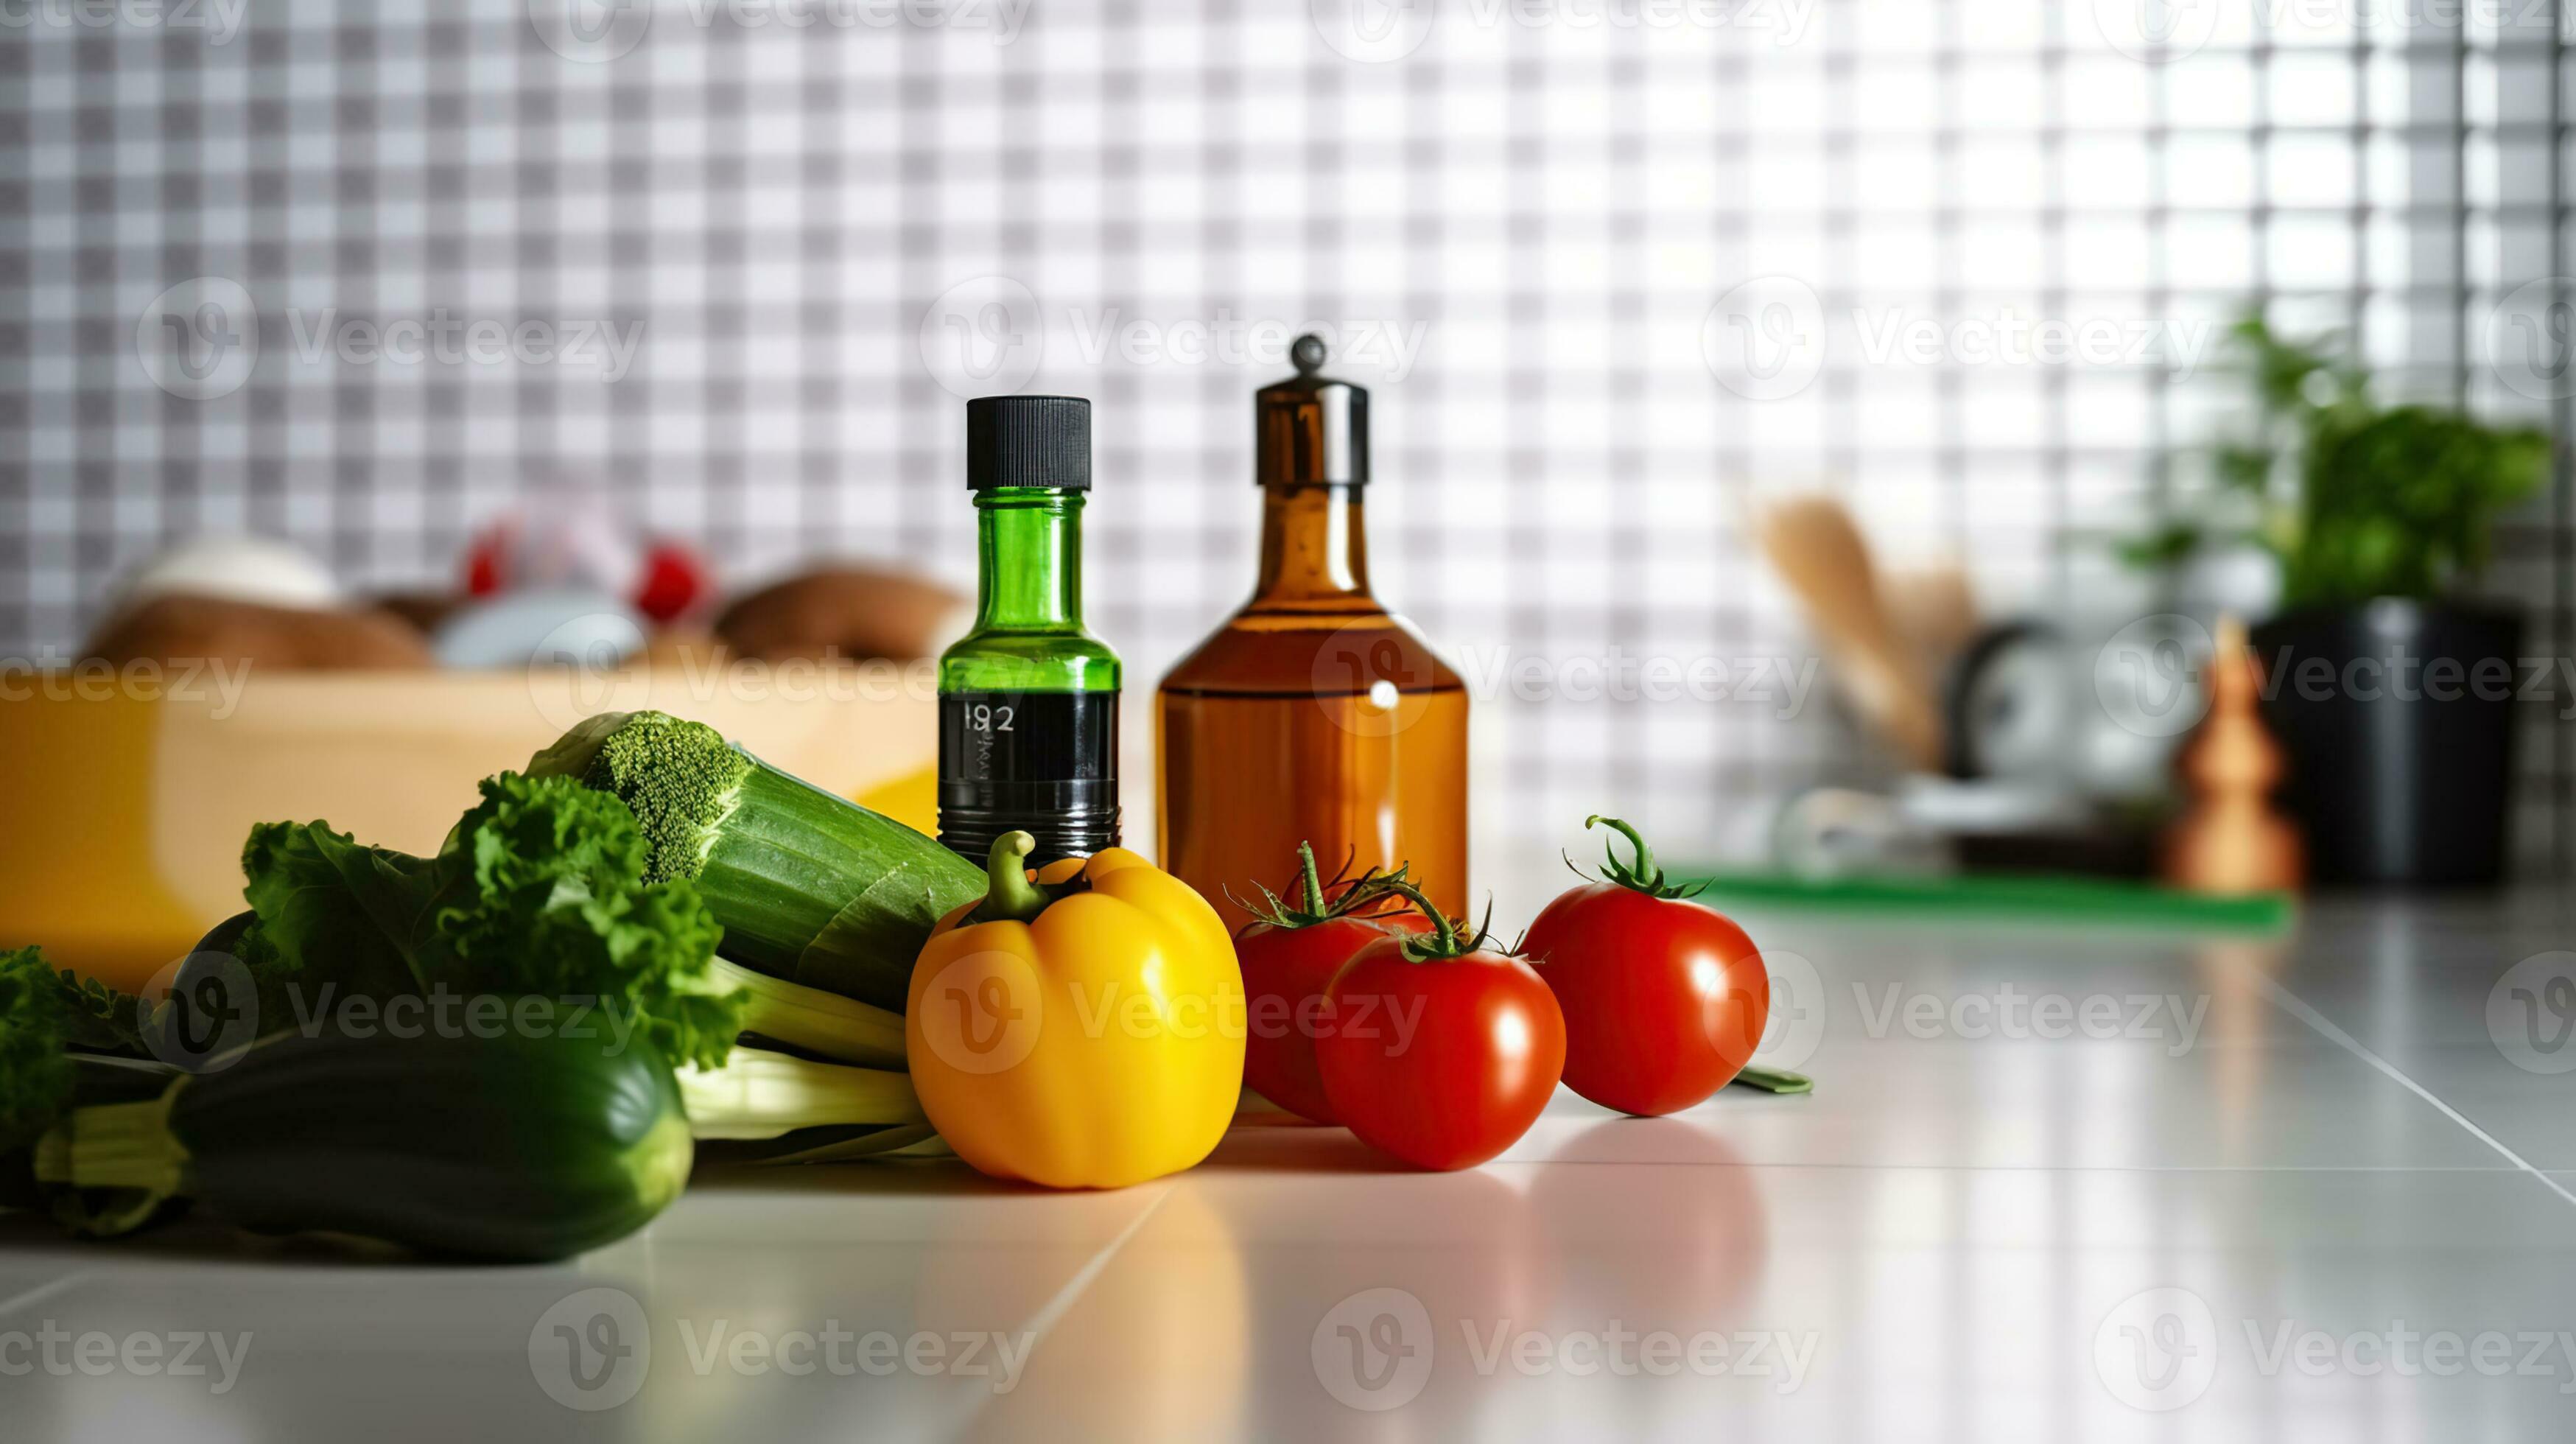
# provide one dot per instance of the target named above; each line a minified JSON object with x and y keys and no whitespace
{"x":2054,"y":1184}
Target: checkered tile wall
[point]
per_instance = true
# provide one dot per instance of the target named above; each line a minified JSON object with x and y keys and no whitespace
{"x":1529,"y":226}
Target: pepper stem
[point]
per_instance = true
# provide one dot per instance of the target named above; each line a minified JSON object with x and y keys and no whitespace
{"x":1008,"y":893}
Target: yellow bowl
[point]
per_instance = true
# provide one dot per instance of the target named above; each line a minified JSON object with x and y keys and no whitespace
{"x":123,"y":843}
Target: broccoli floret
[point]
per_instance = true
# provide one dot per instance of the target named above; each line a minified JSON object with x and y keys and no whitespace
{"x":682,"y":781}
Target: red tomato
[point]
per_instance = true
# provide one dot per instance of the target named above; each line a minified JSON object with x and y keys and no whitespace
{"x":1288,"y":957}
{"x":1285,"y":972}
{"x":1663,"y":999}
{"x":1441,"y":1053}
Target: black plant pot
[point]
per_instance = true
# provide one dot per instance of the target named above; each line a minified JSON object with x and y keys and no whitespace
{"x":2398,"y":720}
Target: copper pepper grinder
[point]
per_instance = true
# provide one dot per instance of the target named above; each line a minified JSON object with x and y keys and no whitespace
{"x":2231,"y":838}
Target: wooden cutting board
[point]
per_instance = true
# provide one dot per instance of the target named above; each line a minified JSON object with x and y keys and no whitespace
{"x":126,"y":816}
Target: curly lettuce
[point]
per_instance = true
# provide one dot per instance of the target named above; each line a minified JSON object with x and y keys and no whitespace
{"x":47,"y":1017}
{"x":539,"y":891}
{"x":35,"y":1073}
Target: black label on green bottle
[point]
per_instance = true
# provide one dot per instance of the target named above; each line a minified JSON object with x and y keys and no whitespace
{"x":1044,"y":763}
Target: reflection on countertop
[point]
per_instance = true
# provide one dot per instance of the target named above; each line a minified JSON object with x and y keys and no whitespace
{"x":2054,"y":1183}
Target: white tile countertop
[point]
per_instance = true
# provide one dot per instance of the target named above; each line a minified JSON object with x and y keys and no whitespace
{"x":2054,"y":1184}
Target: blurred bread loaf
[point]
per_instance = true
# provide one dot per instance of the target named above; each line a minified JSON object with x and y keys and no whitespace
{"x":185,"y":627}
{"x":852,"y":612}
{"x":426,"y":611}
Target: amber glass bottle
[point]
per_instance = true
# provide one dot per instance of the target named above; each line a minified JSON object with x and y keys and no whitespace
{"x":1313,"y":715}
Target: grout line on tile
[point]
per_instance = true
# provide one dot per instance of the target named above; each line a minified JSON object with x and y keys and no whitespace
{"x":1043,"y":1322}
{"x":2024,"y":1167}
{"x":40,"y":1291}
{"x":1056,"y":1308}
{"x":2298,"y":1008}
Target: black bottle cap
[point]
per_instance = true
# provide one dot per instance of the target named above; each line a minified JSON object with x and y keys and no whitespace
{"x":1310,"y":430}
{"x":1028,"y":441}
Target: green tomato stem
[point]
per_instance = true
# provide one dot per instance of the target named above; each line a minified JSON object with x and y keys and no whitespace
{"x":1314,"y":882}
{"x":1645,"y":876}
{"x":1444,"y":939}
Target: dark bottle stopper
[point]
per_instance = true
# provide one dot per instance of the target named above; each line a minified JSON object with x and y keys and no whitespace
{"x":1310,"y":430}
{"x":1028,"y":441}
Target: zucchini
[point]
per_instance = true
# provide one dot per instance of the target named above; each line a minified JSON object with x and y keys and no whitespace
{"x":514,"y":1147}
{"x":809,"y":887}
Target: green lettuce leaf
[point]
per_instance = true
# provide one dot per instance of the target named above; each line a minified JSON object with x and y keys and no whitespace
{"x":35,"y":1074}
{"x":538,"y":891}
{"x":44,"y":1014}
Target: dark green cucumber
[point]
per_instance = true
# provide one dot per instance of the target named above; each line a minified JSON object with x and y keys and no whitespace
{"x":509,"y":1148}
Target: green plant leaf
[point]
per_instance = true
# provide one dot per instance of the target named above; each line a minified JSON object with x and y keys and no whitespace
{"x":2388,"y":501}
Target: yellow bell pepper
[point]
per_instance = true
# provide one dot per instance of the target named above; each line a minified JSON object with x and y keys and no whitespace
{"x":1082,"y":1031}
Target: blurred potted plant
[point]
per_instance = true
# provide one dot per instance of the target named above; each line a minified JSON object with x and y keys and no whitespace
{"x":2392,"y":693}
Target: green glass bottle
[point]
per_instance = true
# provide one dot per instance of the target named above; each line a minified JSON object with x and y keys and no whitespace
{"x":1028,"y":700}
